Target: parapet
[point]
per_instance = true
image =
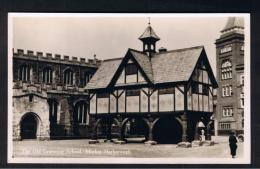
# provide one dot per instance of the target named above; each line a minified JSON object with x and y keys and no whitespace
{"x":56,"y":57}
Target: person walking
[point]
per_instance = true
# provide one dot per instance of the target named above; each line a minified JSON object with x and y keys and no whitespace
{"x":233,"y":144}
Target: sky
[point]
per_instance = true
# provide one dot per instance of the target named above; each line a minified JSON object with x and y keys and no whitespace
{"x":111,"y":36}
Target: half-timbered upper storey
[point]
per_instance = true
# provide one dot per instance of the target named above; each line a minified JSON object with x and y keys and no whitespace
{"x":153,"y":82}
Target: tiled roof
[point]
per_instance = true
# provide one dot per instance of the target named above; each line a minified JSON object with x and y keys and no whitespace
{"x":234,"y":22}
{"x":171,"y":66}
{"x":148,"y":33}
{"x":104,"y":74}
{"x":176,"y":65}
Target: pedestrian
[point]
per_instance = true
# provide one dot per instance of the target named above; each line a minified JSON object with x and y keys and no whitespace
{"x":233,"y":144}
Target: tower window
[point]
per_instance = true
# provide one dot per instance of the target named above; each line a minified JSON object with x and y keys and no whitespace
{"x":68,"y":77}
{"x":226,"y":70}
{"x":227,"y":90}
{"x":227,"y":111}
{"x":226,"y":49}
{"x":47,"y":75}
{"x":24,"y":73}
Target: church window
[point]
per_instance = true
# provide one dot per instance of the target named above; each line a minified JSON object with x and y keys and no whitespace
{"x":68,"y":77}
{"x":225,"y":126}
{"x":242,"y":101}
{"x":53,"y":109}
{"x":87,"y":78}
{"x":81,"y":115}
{"x":24,"y":73}
{"x":47,"y":75}
{"x":227,"y":90}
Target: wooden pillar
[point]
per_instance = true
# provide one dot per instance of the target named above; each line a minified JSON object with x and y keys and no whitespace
{"x":108,"y":129}
{"x":184,"y":128}
{"x":150,"y":122}
{"x":94,"y":132}
{"x":121,"y":121}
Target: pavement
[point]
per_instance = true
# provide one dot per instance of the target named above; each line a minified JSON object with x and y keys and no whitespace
{"x":82,"y":149}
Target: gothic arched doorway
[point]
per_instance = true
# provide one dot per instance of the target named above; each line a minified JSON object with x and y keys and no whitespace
{"x":29,"y":124}
{"x":167,"y":130}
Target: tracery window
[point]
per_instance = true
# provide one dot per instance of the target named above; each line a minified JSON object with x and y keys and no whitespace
{"x":53,"y":109}
{"x":47,"y":75}
{"x":81,"y":113}
{"x":24,"y":73}
{"x":68,"y":77}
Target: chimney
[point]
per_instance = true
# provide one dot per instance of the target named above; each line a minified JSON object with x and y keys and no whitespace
{"x":162,"y":49}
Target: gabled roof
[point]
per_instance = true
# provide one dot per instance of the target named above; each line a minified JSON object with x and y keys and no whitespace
{"x":233,"y":22}
{"x":104,"y":74}
{"x":171,"y":66}
{"x":175,"y":65}
{"x":144,"y":62}
{"x":149,"y":33}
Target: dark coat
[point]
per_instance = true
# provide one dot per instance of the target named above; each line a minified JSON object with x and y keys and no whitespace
{"x":233,"y":145}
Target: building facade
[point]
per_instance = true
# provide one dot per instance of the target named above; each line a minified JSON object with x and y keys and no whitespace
{"x":230,"y":76}
{"x":162,"y":96}
{"x":49,"y":96}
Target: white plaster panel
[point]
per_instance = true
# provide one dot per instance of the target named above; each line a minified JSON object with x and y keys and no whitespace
{"x":206,"y":103}
{"x":205,"y":77}
{"x":112,"y":104}
{"x":210,"y":103}
{"x":200,"y":75}
{"x":102,"y":105}
{"x":93,"y":105}
{"x":153,"y":101}
{"x":189,"y":102}
{"x":200,"y":103}
{"x":179,"y":102}
{"x":131,"y":78}
{"x":140,"y":77}
{"x":166,"y":102}
{"x":121,"y":103}
{"x":195,"y":102}
{"x":132,"y":104}
{"x":144,"y":102}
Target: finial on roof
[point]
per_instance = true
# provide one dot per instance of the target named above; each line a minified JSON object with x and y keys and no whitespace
{"x":149,"y":19}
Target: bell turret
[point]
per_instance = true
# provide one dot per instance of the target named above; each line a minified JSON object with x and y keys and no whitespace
{"x":149,"y":39}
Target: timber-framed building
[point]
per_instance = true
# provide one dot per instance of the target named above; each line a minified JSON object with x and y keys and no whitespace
{"x":161,"y":95}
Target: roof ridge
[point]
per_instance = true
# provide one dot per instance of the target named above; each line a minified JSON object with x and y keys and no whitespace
{"x":112,"y":59}
{"x":179,"y":50}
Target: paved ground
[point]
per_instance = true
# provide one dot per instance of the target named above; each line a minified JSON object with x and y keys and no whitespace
{"x":81,"y":148}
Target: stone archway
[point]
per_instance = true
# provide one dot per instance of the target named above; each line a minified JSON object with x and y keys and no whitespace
{"x":167,"y":130}
{"x":29,"y":126}
{"x":135,"y":130}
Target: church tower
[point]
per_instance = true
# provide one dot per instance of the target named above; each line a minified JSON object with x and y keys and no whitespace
{"x":149,"y":39}
{"x":230,"y":76}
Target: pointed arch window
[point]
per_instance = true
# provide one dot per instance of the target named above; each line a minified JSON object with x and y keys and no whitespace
{"x":81,"y":113}
{"x":226,"y":70}
{"x":24,"y":73}
{"x":68,"y":77}
{"x":53,"y":109}
{"x":47,"y":75}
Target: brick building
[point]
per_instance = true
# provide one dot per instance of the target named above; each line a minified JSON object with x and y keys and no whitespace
{"x":230,"y":76}
{"x":49,"y":96}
